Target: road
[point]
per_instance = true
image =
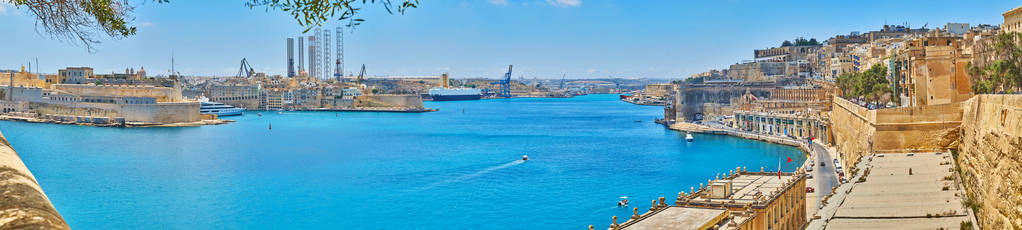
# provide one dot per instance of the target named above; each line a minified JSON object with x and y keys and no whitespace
{"x":825,"y":176}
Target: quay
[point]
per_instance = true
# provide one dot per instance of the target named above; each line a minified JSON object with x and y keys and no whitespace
{"x":375,"y":109}
{"x":104,"y":122}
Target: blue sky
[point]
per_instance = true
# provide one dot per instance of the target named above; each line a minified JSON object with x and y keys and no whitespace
{"x":479,"y":38}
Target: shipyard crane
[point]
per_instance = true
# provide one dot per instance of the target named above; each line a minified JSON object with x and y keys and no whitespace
{"x":505,"y":84}
{"x":246,"y":69}
{"x":358,"y":81}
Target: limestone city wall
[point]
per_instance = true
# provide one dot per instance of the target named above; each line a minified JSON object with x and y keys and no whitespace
{"x":990,"y":159}
{"x":389,"y":100}
{"x":852,"y":130}
{"x":859,"y":131}
{"x":162,"y":94}
{"x":161,"y":113}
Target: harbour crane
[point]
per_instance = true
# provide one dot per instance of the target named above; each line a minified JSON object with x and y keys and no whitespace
{"x":246,"y":69}
{"x":358,"y":81}
{"x":505,"y":84}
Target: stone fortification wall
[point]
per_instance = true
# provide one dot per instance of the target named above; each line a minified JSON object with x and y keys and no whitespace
{"x":159,"y":113}
{"x":163,"y":113}
{"x":853,"y":130}
{"x":915,"y":129}
{"x":990,"y":159}
{"x":162,"y":94}
{"x":389,"y":100}
{"x":23,"y":205}
{"x":859,"y":131}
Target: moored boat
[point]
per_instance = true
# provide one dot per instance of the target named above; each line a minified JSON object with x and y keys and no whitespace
{"x":455,"y":94}
{"x":219,"y":109}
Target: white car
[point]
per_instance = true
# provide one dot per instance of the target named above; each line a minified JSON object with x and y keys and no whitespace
{"x":809,"y":167}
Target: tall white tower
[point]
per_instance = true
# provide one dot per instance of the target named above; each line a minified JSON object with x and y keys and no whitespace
{"x":319,"y":53}
{"x":326,"y":55}
{"x":339,"y":68}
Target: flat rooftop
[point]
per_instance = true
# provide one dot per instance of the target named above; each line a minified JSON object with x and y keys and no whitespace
{"x":745,"y":187}
{"x":891,"y":198}
{"x":681,"y":218}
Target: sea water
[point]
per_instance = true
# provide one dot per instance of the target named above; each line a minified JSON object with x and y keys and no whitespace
{"x":458,"y":168}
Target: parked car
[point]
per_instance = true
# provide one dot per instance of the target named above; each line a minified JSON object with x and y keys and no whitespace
{"x":809,"y":176}
{"x":809,"y":167}
{"x":810,"y":190}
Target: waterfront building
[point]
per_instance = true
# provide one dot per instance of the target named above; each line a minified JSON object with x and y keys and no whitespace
{"x":737,"y":200}
{"x":242,"y":96}
{"x":794,"y":125}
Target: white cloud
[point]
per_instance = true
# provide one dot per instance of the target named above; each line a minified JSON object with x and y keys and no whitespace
{"x":565,"y":3}
{"x":498,"y":2}
{"x":147,"y":24}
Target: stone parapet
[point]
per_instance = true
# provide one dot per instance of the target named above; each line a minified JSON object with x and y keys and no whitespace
{"x":23,"y":205}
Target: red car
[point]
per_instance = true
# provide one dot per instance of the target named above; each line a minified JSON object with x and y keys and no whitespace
{"x":810,"y":190}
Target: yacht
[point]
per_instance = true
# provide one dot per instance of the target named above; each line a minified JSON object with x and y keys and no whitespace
{"x":688,"y":137}
{"x":220,"y":109}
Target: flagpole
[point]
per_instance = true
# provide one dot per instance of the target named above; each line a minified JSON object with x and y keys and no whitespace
{"x":778,"y":168}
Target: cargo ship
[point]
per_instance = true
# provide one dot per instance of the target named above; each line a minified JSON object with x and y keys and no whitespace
{"x":444,"y":92}
{"x":455,"y":94}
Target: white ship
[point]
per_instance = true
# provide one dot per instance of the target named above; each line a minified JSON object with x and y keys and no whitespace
{"x":455,"y":94}
{"x":219,"y":109}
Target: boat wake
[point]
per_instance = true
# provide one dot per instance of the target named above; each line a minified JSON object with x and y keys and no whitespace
{"x":472,"y":175}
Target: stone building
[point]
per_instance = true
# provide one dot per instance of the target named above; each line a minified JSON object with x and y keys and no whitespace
{"x":657,"y":90}
{"x":762,"y":71}
{"x":1012,"y":20}
{"x":795,"y":125}
{"x":737,"y":200}
{"x":241,"y":96}
{"x":932,"y":70}
{"x":785,"y":53}
{"x":73,"y":75}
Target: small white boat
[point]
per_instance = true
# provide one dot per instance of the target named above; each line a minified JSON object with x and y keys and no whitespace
{"x":525,"y":157}
{"x":688,"y":137}
{"x":623,"y":202}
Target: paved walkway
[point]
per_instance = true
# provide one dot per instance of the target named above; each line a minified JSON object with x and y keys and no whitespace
{"x":898,"y":191}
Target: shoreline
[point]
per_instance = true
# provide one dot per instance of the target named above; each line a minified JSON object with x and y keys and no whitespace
{"x":702,"y":129}
{"x":380,"y":109}
{"x":115,"y":125}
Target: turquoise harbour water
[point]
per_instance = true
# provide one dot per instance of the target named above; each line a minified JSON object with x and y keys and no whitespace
{"x":323,"y":170}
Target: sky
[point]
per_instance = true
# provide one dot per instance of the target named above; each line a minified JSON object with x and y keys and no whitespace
{"x":480,"y":38}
